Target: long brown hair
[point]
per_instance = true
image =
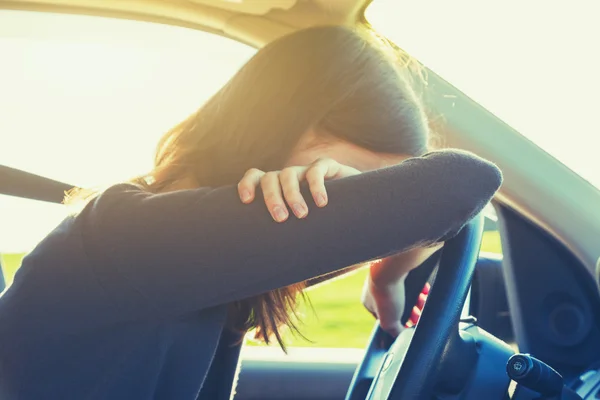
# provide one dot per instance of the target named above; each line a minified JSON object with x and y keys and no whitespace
{"x":345,"y":82}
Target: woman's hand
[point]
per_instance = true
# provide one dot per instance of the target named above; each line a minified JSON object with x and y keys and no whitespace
{"x":385,"y":303}
{"x":281,"y":187}
{"x":383,"y":292}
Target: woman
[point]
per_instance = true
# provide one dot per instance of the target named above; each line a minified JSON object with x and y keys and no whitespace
{"x":144,"y":292}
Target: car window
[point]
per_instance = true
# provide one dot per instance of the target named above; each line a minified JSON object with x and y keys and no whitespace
{"x":85,"y":99}
{"x":532,"y":64}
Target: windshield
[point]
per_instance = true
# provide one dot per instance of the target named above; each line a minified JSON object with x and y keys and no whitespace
{"x":85,"y":99}
{"x":534,"y":65}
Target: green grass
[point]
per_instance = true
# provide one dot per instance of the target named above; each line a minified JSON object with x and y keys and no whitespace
{"x":10,"y":264}
{"x":338,"y":319}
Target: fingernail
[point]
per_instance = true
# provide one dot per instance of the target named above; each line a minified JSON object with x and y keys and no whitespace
{"x":421,"y":301}
{"x":320,"y":199}
{"x":279,"y":214}
{"x":245,"y":196}
{"x":426,"y":288}
{"x":299,"y":210}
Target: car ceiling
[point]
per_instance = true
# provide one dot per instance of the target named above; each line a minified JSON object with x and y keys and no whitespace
{"x":250,"y":21}
{"x":545,"y":191}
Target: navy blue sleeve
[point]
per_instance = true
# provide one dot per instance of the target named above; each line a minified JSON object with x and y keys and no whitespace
{"x":192,"y":249}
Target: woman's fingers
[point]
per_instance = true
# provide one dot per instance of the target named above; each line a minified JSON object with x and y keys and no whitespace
{"x":416,"y":311}
{"x":389,"y":312}
{"x":421,"y":301}
{"x":394,"y":327}
{"x":275,"y":186}
{"x":285,"y":184}
{"x":290,"y":184}
{"x":415,"y":314}
{"x":426,"y":288}
{"x":271,"y":189}
{"x":316,"y":175}
{"x":247,"y":186}
{"x":322,"y":170}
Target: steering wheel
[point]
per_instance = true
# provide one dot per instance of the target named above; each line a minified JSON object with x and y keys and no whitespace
{"x":442,"y":351}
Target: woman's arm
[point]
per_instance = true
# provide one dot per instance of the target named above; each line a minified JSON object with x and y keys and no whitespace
{"x":192,"y":249}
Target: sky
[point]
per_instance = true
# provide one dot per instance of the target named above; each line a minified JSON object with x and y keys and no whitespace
{"x":84,"y":99}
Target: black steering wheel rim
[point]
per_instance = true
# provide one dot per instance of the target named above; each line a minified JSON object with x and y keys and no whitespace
{"x":438,"y":326}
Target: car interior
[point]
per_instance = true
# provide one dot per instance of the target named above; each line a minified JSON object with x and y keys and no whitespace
{"x":524,"y":324}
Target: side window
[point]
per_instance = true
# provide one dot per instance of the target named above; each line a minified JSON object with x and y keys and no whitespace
{"x":491,"y":234}
{"x":74,"y":86}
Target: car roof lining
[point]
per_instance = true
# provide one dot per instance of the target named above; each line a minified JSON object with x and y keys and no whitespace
{"x":251,"y":22}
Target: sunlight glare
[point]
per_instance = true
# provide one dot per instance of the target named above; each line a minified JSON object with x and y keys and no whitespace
{"x":85,"y":99}
{"x":532,"y":64}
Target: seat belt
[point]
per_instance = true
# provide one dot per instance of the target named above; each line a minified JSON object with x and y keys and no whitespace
{"x":18,"y":183}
